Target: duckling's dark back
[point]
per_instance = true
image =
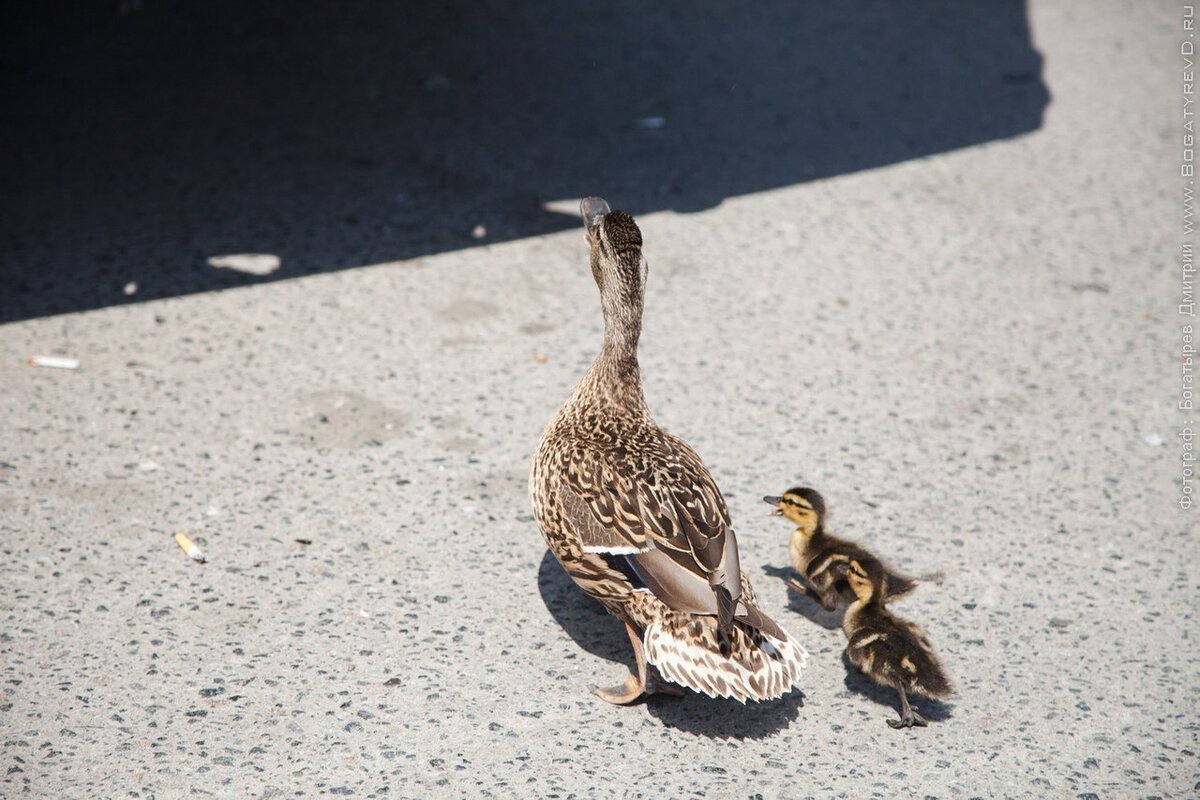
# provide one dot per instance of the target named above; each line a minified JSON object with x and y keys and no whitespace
{"x":825,"y":551}
{"x":893,"y":650}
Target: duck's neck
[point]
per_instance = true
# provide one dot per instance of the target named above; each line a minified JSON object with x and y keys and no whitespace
{"x":850,"y":616}
{"x":854,"y":611}
{"x":860,"y":604}
{"x":614,"y":376}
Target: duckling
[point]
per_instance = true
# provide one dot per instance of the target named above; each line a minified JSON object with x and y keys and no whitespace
{"x":888,"y":649}
{"x":636,"y":519}
{"x":815,"y":553}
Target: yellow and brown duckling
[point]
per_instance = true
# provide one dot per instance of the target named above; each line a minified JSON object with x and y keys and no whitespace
{"x":888,"y":649}
{"x":636,"y":519}
{"x":816,"y":554}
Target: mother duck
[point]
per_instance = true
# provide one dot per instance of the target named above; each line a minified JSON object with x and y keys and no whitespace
{"x":636,"y":520}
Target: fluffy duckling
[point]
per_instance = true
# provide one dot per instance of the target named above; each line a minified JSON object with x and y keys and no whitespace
{"x":889,"y":650}
{"x":816,"y":554}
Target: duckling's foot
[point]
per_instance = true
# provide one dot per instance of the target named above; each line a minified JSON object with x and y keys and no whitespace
{"x":810,"y":593}
{"x":909,"y":718}
{"x":623,"y":693}
{"x":913,"y":720}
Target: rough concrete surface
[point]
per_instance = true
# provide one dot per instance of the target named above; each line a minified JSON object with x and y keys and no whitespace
{"x":975,"y":355}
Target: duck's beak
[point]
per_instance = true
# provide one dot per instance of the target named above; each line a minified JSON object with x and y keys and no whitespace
{"x":591,"y":211}
{"x":777,"y":502}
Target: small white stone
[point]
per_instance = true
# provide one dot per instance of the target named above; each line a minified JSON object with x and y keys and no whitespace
{"x":54,"y":362}
{"x":247,"y":263}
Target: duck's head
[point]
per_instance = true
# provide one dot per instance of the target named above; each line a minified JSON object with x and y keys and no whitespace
{"x":617,"y":263}
{"x":861,"y":581}
{"x":802,"y":505}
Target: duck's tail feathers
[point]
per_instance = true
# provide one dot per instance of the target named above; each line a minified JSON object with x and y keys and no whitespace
{"x":899,"y":585}
{"x":932,"y":680}
{"x":687,"y":651}
{"x":726,"y":606}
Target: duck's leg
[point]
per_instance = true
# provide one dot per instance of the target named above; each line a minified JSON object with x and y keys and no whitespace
{"x":796,"y":586}
{"x":654,"y":684}
{"x":909,"y":718}
{"x":644,"y":682}
{"x":658,"y":686}
{"x":635,"y":685}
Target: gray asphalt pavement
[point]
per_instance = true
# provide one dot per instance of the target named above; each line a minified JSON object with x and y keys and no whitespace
{"x":974,"y":354}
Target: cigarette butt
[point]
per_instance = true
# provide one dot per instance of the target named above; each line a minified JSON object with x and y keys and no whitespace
{"x":55,"y":362}
{"x":191,"y":548}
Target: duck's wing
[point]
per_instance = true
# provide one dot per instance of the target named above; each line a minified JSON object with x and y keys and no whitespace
{"x":638,"y":497}
{"x":654,"y":502}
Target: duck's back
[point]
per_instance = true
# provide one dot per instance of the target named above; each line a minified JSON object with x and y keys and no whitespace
{"x":896,"y":650}
{"x":627,"y":508}
{"x":819,"y":557}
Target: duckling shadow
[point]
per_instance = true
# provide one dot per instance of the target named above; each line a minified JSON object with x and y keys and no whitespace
{"x":932,"y":709}
{"x":802,"y":604}
{"x":582,"y":618}
{"x":726,"y":719}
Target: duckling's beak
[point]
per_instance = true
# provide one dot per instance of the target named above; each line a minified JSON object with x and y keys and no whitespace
{"x":592,"y":210}
{"x":777,"y":502}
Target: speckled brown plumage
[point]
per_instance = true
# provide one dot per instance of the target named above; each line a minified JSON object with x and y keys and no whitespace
{"x":635,"y":518}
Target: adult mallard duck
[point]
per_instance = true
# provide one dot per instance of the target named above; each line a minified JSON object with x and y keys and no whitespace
{"x":637,"y":521}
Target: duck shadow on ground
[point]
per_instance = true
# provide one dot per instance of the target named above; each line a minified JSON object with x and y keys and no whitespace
{"x":600,"y":634}
{"x":583,"y":619}
{"x":800,"y":603}
{"x":726,"y":719}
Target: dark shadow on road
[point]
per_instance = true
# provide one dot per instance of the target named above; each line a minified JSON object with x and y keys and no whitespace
{"x":800,"y":603}
{"x":726,"y":719}
{"x":138,"y":145}
{"x":584,"y":620}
